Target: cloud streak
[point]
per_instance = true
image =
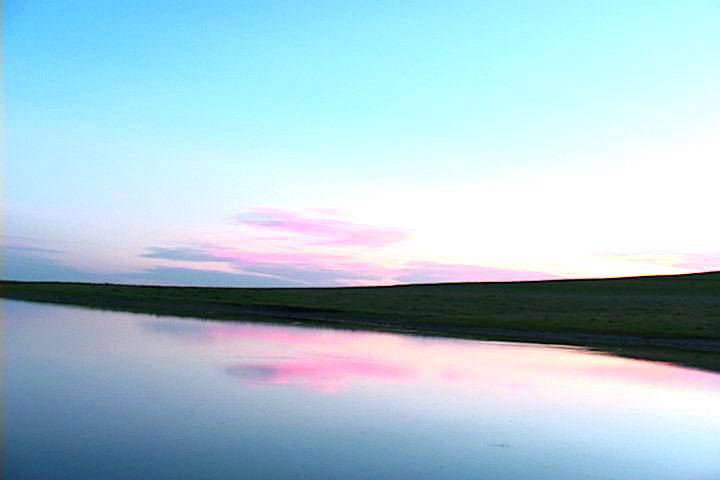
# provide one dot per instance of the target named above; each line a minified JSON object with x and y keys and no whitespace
{"x":33,"y":265}
{"x":315,"y":248}
{"x":432,"y":272}
{"x":318,"y":269}
{"x":701,"y":261}
{"x":296,"y":268}
{"x":321,"y":230}
{"x":698,"y":261}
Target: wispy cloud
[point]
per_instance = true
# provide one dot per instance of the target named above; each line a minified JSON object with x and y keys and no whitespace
{"x":697,"y":261}
{"x":32,"y":264}
{"x":31,"y":250}
{"x":311,"y":276}
{"x":319,"y":269}
{"x":701,"y":261}
{"x":319,"y":229}
{"x":184,"y":254}
{"x":163,"y":275}
{"x":315,"y":248}
{"x":432,"y":272}
{"x":293,"y":267}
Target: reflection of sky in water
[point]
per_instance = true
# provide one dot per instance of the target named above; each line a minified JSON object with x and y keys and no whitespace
{"x":323,"y":373}
{"x":327,"y":360}
{"x":178,"y":398}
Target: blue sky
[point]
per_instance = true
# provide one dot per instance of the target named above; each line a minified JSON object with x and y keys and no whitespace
{"x":380,"y":142}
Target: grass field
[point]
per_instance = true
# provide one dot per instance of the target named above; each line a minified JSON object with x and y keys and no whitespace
{"x":678,"y":312}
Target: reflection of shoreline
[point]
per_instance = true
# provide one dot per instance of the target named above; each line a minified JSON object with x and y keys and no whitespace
{"x":327,"y":360}
{"x":623,"y":345}
{"x":699,"y":353}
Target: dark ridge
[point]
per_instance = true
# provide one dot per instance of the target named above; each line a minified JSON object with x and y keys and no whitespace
{"x":673,"y":313}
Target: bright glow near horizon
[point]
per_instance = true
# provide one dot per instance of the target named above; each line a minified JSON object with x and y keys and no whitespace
{"x":273,"y":144}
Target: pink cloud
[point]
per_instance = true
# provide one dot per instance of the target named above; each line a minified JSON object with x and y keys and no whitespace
{"x":332,"y":269}
{"x":432,"y":272}
{"x":301,"y":267}
{"x":291,"y":246}
{"x":701,"y":262}
{"x":296,"y":251}
{"x":322,"y":230}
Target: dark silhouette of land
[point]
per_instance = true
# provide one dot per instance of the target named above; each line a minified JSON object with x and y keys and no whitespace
{"x":673,"y":318}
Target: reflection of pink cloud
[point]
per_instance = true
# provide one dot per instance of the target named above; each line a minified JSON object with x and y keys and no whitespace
{"x":216,"y":332}
{"x":329,"y":360}
{"x":454,"y":375}
{"x":320,"y":374}
{"x":323,"y":231}
{"x":645,"y":373}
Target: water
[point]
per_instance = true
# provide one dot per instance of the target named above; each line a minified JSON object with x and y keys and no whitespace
{"x":105,"y":395}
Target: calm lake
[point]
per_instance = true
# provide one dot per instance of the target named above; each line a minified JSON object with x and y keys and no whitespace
{"x":104,"y":395}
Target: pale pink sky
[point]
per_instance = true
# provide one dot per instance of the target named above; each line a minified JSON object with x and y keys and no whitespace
{"x":588,"y":146}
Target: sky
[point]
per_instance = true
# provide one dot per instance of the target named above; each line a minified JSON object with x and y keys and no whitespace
{"x":359,"y":143}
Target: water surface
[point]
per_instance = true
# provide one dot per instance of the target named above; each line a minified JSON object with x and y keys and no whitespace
{"x":108,"y":395}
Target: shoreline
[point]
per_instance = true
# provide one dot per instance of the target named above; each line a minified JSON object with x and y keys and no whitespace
{"x":315,"y":307}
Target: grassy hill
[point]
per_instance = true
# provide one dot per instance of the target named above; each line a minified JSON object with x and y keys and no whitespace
{"x":675,"y":311}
